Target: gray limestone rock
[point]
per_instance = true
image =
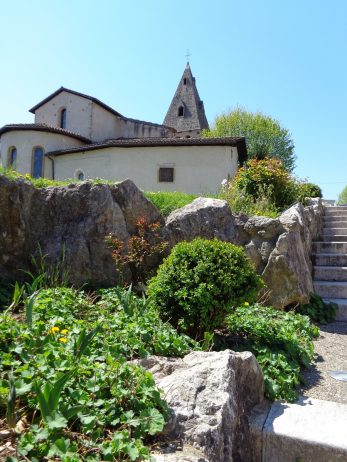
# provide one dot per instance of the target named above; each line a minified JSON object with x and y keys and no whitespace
{"x":73,"y":219}
{"x":212,"y":395}
{"x":207,"y":218}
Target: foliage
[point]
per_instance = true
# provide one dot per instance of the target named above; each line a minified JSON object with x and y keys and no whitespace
{"x":139,"y":248}
{"x":72,"y":378}
{"x":200,"y":281}
{"x":241,"y":202}
{"x":281,"y":342}
{"x":168,"y":201}
{"x":342,"y":199}
{"x":306,"y":190}
{"x":46,"y":182}
{"x":269,"y":177}
{"x":318,"y":310}
{"x":264,"y":135}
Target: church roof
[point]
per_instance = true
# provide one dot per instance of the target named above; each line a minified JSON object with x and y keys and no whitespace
{"x":186,"y":111}
{"x":73,"y":92}
{"x":238,"y":142}
{"x":43,"y":128}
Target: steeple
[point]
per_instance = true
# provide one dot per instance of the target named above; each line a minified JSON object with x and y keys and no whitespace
{"x":186,"y":112}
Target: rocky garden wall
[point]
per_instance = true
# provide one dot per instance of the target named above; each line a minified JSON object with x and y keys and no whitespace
{"x":74,"y":220}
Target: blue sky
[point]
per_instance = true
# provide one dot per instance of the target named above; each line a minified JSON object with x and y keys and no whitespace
{"x":285,"y":58}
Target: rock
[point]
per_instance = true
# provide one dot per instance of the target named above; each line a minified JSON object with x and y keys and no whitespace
{"x":72,"y":220}
{"x":206,"y":218}
{"x":211,"y":394}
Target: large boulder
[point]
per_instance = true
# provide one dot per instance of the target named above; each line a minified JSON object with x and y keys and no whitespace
{"x":207,"y":218}
{"x":211,"y":395}
{"x":72,"y":221}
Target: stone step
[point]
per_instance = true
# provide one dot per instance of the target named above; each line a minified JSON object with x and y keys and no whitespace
{"x":342,"y":215}
{"x":335,"y":222}
{"x":334,"y":237}
{"x":329,"y":259}
{"x":330,"y":273}
{"x":329,"y":247}
{"x":309,"y":430}
{"x":335,"y":210}
{"x":341,"y":314}
{"x":330,"y":289}
{"x":341,"y":231}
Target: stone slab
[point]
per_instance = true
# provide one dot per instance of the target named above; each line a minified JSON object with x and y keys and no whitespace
{"x":331,"y":289}
{"x":330,"y":273}
{"x":309,"y":430}
{"x":329,"y":247}
{"x":329,"y":259}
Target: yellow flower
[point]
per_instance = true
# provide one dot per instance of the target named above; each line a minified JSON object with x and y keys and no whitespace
{"x":63,"y":339}
{"x":64,"y":332}
{"x":54,"y":330}
{"x":246,"y":304}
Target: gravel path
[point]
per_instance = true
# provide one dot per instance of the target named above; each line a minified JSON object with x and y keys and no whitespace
{"x":331,"y":354}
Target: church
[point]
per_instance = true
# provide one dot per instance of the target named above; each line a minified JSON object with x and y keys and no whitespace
{"x":77,"y":136}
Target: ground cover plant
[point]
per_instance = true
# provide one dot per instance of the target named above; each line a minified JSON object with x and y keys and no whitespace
{"x":199,"y":282}
{"x":281,"y":342}
{"x":318,"y":310}
{"x":66,"y":374}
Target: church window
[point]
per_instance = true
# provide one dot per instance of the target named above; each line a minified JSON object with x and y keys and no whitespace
{"x":37,"y":162}
{"x":181,"y":111}
{"x":184,"y":81}
{"x":63,"y":118}
{"x":79,"y":175}
{"x":12,"y":157}
{"x":166,"y":174}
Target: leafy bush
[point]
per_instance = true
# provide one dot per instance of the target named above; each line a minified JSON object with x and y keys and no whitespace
{"x":281,"y":342}
{"x":317,"y":310}
{"x":167,"y":201}
{"x":72,"y":379}
{"x":196,"y":286}
{"x":269,"y":177}
{"x":306,"y":190}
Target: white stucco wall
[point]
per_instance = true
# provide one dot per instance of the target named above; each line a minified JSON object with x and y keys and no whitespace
{"x":197,"y":169}
{"x":78,"y":113}
{"x":89,"y":119}
{"x":26,"y":140}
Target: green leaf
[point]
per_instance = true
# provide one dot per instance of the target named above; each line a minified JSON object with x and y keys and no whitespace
{"x":56,"y":420}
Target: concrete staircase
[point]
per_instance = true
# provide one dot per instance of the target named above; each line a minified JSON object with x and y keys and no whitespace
{"x":330,"y":260}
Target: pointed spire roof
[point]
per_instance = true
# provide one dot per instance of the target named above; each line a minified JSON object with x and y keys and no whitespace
{"x":186,"y":111}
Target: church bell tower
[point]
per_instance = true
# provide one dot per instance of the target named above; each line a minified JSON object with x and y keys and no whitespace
{"x":186,"y":112}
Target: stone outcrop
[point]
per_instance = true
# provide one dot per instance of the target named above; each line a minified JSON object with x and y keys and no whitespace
{"x":73,"y":219}
{"x":211,"y":395}
{"x":77,"y":218}
{"x":279,"y":248}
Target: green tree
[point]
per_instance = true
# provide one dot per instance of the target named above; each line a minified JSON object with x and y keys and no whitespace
{"x":342,"y":199}
{"x":264,"y":135}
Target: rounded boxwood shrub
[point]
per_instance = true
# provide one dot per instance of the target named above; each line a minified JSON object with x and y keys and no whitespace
{"x":199,"y":282}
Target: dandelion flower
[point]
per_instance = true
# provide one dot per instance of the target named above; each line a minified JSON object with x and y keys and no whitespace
{"x":54,"y":330}
{"x":64,"y":332}
{"x":63,"y":339}
{"x":246,"y":304}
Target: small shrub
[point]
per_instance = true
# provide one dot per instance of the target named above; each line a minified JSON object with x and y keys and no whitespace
{"x":317,"y":310}
{"x":306,"y":190}
{"x":146,"y":243}
{"x":281,"y":342}
{"x":196,"y":286}
{"x":267,"y":176}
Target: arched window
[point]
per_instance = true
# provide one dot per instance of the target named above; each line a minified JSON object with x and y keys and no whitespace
{"x":12,"y":157}
{"x":80,"y":176}
{"x":37,"y":163}
{"x":63,"y":118}
{"x":181,"y":111}
{"x":184,"y":81}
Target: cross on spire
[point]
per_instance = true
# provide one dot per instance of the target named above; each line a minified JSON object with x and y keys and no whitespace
{"x":188,"y":55}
